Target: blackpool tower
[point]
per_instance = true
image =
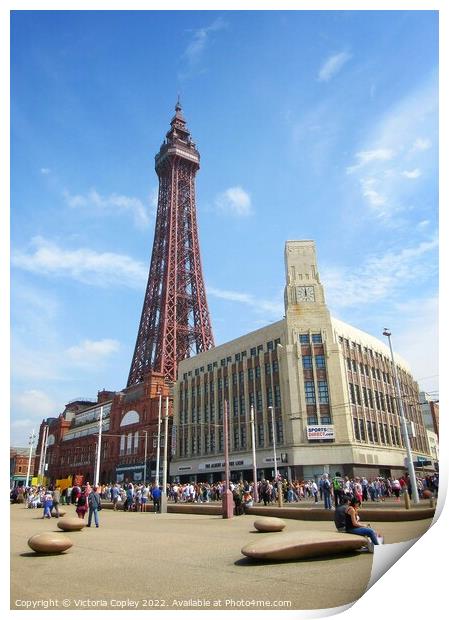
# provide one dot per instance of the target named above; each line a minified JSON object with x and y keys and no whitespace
{"x":175,"y":318}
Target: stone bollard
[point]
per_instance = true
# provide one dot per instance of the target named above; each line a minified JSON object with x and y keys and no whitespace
{"x":406,"y":499}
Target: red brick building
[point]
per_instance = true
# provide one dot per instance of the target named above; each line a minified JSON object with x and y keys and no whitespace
{"x":129,"y":431}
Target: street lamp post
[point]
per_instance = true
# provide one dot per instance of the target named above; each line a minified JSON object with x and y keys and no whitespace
{"x":145,"y":458}
{"x":164,"y":468}
{"x":100,"y":431}
{"x":411,"y":469}
{"x":31,"y":442}
{"x":253,"y":442}
{"x":227,"y":501}
{"x":156,"y":479}
{"x":278,"y":482}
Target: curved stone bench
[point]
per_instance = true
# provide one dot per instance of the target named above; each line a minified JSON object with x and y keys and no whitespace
{"x":302,"y":545}
{"x":49,"y":542}
{"x":269,"y":524}
{"x":71,"y":524}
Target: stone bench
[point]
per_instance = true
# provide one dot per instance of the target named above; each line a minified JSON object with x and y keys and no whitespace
{"x":302,"y":545}
{"x":49,"y":542}
{"x":73,"y":524}
{"x":269,"y":524}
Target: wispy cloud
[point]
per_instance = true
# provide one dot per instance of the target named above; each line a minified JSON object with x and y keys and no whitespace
{"x":398,"y":146}
{"x":194,"y":52}
{"x":271,"y":308}
{"x":365,"y":157}
{"x":234,"y":201}
{"x":45,"y":170}
{"x":93,"y":350}
{"x":112,"y":204}
{"x":411,"y":174}
{"x":85,"y":265}
{"x":380,"y":277}
{"x":332,"y":66}
{"x":31,"y":407}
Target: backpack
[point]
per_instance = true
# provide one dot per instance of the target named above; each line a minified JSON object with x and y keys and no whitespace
{"x":337,"y":484}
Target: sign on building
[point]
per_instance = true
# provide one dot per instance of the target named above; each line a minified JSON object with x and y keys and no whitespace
{"x":320,"y":432}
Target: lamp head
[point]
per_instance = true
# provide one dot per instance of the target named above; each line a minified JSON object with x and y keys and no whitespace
{"x":386,"y":332}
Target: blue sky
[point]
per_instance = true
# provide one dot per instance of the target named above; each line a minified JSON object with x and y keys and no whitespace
{"x":310,"y":125}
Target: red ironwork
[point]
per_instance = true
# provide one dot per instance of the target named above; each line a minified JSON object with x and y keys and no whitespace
{"x":175,"y":318}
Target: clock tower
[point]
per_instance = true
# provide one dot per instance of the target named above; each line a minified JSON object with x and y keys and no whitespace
{"x":303,"y":289}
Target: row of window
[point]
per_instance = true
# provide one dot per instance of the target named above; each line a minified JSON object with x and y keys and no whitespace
{"x":374,"y":430}
{"x":254,"y":351}
{"x":371,"y":398}
{"x":306,"y":338}
{"x":323,"y":392}
{"x":376,"y":373}
{"x":238,"y":405}
{"x":320,"y":361}
{"x":213,"y":440}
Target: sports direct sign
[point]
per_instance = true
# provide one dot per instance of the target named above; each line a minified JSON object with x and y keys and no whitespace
{"x":320,"y":432}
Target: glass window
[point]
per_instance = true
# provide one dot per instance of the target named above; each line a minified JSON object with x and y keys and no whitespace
{"x":323,"y":392}
{"x":250,"y":374}
{"x":304,"y":338}
{"x":275,"y":366}
{"x":362,"y":430}
{"x":307,"y":362}
{"x":316,"y":338}
{"x":237,"y":357}
{"x":270,"y":345}
{"x":310,"y":392}
{"x":312,"y":419}
{"x":253,"y":351}
{"x":320,"y":361}
{"x":257,"y":370}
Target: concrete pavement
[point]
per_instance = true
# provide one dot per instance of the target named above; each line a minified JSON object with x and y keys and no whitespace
{"x":180,"y":561}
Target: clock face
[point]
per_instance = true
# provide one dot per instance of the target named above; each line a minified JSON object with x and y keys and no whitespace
{"x":305,"y":293}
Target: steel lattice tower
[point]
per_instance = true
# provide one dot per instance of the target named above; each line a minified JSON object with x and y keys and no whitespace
{"x":175,"y":318}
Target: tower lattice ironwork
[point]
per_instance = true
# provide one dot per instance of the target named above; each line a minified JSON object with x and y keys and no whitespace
{"x":175,"y":318}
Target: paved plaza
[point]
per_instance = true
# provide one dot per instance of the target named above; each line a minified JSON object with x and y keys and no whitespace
{"x":180,"y":561}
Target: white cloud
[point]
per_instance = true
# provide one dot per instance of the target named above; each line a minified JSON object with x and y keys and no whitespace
{"x":45,"y":170}
{"x":421,"y":144}
{"x":195,"y":49}
{"x":380,"y":277}
{"x":365,"y":157}
{"x":398,"y":136}
{"x":93,"y":350}
{"x":84,"y":265}
{"x":411,"y":174}
{"x":274,"y":309}
{"x":114,"y":203}
{"x":31,"y":406}
{"x":332,"y":66}
{"x":234,"y":201}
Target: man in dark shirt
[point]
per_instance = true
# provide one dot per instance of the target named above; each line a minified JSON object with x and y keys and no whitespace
{"x":339,"y":515}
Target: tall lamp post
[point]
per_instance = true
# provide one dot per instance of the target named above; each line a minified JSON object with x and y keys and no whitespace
{"x":158,"y":449}
{"x":145,"y":458}
{"x":164,"y":467}
{"x":227,"y":501}
{"x":253,"y":443}
{"x":31,"y":442}
{"x":100,"y":431}
{"x":411,"y":468}
{"x":276,"y":475}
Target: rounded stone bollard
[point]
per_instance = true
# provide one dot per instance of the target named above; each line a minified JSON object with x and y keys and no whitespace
{"x":71,"y":524}
{"x":49,"y":542}
{"x":269,"y":524}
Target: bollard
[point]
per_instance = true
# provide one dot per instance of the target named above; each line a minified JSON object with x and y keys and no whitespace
{"x":406,"y":499}
{"x":432,"y":502}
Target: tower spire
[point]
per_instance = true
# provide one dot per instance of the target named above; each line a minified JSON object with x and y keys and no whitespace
{"x":175,"y":318}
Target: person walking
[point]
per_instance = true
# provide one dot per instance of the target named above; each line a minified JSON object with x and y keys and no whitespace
{"x":94,"y":501}
{"x":56,"y":500}
{"x":156,"y":495}
{"x":326,"y":487}
{"x":47,"y":504}
{"x":81,"y":505}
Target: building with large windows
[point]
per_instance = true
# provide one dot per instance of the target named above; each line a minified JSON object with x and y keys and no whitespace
{"x":324,"y":387}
